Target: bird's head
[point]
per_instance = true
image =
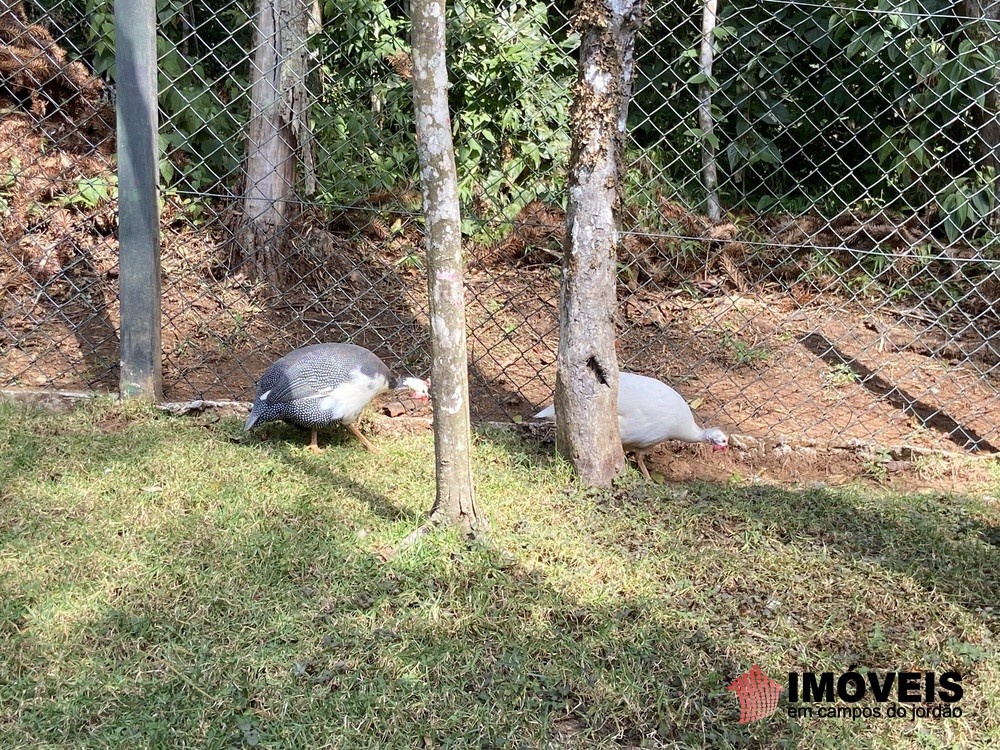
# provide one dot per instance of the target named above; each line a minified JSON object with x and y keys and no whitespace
{"x":717,"y":438}
{"x":420,"y":389}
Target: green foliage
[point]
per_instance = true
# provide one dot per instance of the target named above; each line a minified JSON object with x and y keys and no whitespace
{"x":828,"y":104}
{"x":8,"y":182}
{"x":90,"y":192}
{"x":876,"y":467}
{"x":814,"y":105}
{"x":509,"y":71}
{"x":741,"y":354}
{"x":202,"y":79}
{"x":967,"y":203}
{"x":362,"y":112}
{"x":840,"y":375}
{"x":203,"y":62}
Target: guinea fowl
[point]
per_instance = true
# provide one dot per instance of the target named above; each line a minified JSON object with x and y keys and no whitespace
{"x":317,"y":385}
{"x":650,"y":412}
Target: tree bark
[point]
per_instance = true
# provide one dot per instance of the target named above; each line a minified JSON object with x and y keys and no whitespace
{"x":586,"y":396}
{"x":278,"y":131}
{"x":455,"y":502}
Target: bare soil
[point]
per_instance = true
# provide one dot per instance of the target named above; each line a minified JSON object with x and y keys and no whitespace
{"x":755,"y":349}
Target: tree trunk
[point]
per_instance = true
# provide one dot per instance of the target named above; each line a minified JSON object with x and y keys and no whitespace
{"x":278,"y":130}
{"x":586,"y":397}
{"x":706,"y":122}
{"x":455,"y":501}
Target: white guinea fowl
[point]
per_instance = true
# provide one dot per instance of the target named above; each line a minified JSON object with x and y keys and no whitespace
{"x":650,"y":412}
{"x":315,"y":386}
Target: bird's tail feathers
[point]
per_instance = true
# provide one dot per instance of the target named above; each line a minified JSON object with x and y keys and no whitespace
{"x":253,"y":419}
{"x":549,"y":412}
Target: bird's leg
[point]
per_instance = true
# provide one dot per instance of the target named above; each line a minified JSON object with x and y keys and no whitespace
{"x":639,"y":459}
{"x":314,"y":443}
{"x":364,"y":441}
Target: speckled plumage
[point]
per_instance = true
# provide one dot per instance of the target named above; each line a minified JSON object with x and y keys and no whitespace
{"x":318,"y":385}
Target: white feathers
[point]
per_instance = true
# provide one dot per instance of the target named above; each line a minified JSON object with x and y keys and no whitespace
{"x":549,"y":413}
{"x":650,"y":412}
{"x":418,"y":386}
{"x":346,"y":401}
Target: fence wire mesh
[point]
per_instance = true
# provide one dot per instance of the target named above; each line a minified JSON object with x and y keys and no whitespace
{"x":847,"y":290}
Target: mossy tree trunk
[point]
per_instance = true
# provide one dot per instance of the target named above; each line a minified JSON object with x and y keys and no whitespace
{"x":455,"y":502}
{"x":587,"y":367}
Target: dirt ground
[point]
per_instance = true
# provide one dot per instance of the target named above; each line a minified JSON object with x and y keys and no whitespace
{"x":770,"y":357}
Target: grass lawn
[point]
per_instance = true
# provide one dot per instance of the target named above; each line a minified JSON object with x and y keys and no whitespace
{"x":165,"y":583}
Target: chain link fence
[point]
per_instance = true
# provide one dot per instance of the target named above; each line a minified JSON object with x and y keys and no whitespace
{"x":847,"y":290}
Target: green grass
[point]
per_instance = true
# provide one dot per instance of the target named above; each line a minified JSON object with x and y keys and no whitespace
{"x":167,"y":583}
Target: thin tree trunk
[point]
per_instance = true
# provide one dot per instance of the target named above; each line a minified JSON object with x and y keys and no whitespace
{"x":705,"y":120}
{"x":278,"y":130}
{"x":586,"y":396}
{"x":455,"y":501}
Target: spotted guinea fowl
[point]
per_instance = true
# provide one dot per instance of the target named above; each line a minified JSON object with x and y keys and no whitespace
{"x":317,"y":385}
{"x":650,"y":412}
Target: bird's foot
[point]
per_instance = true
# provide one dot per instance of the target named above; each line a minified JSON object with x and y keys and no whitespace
{"x":640,"y":459}
{"x":314,"y":444}
{"x":364,"y":441}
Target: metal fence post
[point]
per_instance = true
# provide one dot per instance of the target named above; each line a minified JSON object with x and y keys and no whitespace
{"x":138,"y":207}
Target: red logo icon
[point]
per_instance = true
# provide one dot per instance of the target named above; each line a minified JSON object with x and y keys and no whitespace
{"x":757,"y":694}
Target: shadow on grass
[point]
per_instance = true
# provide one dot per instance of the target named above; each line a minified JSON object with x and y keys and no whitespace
{"x":929,"y":538}
{"x":290,"y":444}
{"x":242,"y":622}
{"x":39,"y":441}
{"x":932,"y":538}
{"x":464,"y":649}
{"x":271,"y":627}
